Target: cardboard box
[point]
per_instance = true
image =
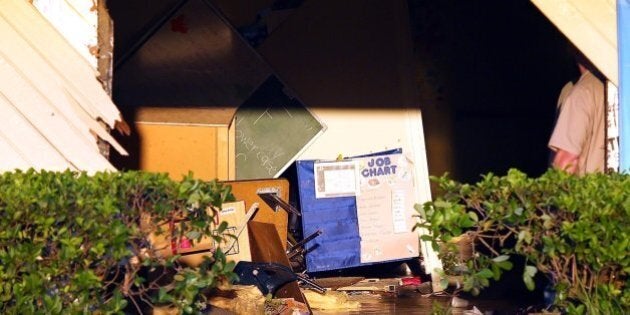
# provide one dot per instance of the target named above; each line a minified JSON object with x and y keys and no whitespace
{"x":234,"y":213}
{"x":177,"y":140}
{"x":236,"y":249}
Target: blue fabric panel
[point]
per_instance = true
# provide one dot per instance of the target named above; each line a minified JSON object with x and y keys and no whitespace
{"x":623,"y":34}
{"x":339,"y":245}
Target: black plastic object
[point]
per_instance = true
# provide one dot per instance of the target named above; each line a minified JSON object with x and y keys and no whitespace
{"x":274,"y":202}
{"x":269,"y":277}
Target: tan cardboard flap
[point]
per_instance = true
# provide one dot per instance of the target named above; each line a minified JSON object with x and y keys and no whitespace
{"x":234,"y":213}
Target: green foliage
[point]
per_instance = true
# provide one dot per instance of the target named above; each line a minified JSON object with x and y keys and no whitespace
{"x":573,"y":229}
{"x":71,"y":243}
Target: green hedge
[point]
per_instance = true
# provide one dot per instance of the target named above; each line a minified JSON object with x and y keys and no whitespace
{"x":71,"y":242}
{"x":575,"y":230}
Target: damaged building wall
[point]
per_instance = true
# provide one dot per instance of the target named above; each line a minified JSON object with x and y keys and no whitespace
{"x":50,"y":91}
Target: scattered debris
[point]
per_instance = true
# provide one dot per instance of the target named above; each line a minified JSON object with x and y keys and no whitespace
{"x":374,"y":285}
{"x":331,"y":300}
{"x":239,"y":299}
{"x":286,"y":306}
{"x":459,"y":302}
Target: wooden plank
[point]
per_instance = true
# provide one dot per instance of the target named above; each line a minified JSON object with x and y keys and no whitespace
{"x":266,"y":246}
{"x":94,"y":126}
{"x":78,"y":77}
{"x":591,"y":26}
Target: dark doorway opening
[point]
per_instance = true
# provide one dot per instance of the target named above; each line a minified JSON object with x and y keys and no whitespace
{"x":489,"y":73}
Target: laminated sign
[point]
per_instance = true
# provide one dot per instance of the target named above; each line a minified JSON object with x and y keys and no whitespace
{"x":364,"y":208}
{"x":385,"y":208}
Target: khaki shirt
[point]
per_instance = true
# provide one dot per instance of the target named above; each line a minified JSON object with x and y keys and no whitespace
{"x":581,"y":128}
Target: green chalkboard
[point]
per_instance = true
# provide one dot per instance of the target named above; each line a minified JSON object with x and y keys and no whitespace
{"x":271,"y":130}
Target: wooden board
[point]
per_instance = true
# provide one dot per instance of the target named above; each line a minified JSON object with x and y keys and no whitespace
{"x":247,"y":190}
{"x":266,"y":247}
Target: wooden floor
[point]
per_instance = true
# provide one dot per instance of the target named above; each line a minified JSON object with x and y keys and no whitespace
{"x":420,"y":304}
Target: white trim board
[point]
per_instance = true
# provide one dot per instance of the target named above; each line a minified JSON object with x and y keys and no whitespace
{"x":591,"y":26}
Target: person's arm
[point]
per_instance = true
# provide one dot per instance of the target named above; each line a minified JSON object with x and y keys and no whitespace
{"x":566,"y":161}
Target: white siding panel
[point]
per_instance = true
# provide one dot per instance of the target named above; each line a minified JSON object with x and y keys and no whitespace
{"x":10,"y":159}
{"x":35,"y":69}
{"x":50,"y":84}
{"x":53,"y":126}
{"x":78,"y":74}
{"x":26,"y":146}
{"x":76,"y":20}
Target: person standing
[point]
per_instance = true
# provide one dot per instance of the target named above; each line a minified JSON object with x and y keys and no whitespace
{"x":578,"y":138}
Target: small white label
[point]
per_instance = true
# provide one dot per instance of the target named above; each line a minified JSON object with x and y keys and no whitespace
{"x":228,"y":211}
{"x":398,"y":211}
{"x":336,"y":179}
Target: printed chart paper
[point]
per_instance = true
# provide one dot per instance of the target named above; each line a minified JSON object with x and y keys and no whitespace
{"x":385,"y":208}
